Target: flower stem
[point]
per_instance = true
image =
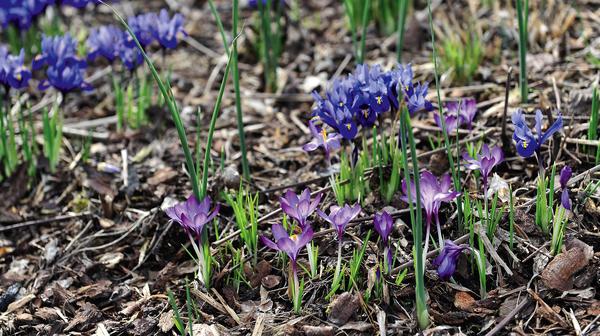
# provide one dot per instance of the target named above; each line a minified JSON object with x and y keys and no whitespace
{"x":338,"y":266}
{"x":296,"y":300}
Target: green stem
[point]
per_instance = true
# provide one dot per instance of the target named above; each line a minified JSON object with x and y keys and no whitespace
{"x":522,"y":18}
{"x":238,"y":98}
{"x":402,"y":11}
{"x":171,"y":104}
{"x":363,"y":37}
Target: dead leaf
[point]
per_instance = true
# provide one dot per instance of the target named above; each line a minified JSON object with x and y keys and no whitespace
{"x":205,"y":330}
{"x":464,"y":301}
{"x":165,"y":322}
{"x":86,"y":316}
{"x":271,"y":281}
{"x":112,"y":259}
{"x":342,"y":308}
{"x":161,"y":176}
{"x":318,"y":330}
{"x":558,"y":274}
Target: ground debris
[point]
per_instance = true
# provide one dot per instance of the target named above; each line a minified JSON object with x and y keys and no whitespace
{"x":342,"y":308}
{"x":558,"y":274}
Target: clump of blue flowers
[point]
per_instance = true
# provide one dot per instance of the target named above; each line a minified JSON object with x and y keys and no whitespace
{"x":360,"y":98}
{"x":65,"y":70}
{"x":13,"y":73}
{"x":23,"y":13}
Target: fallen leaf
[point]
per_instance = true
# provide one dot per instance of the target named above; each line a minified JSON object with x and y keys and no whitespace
{"x":271,"y":281}
{"x":342,"y":308}
{"x":318,"y":330}
{"x":558,"y":274}
{"x":161,"y":176}
{"x":464,"y":301}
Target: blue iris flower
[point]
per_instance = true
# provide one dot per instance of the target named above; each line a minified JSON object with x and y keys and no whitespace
{"x":168,"y":28}
{"x":104,"y":42}
{"x":65,"y":76}
{"x":54,"y":49}
{"x":415,"y":98}
{"x":143,"y":26}
{"x":131,"y":57}
{"x":17,"y":75}
{"x":526,"y":142}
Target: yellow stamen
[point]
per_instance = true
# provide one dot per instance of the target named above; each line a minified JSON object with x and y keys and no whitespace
{"x":348,"y":126}
{"x":294,"y":237}
{"x":324,"y":134}
{"x":366,"y":113}
{"x":525,"y":144}
{"x":378,"y":100}
{"x":341,"y":104}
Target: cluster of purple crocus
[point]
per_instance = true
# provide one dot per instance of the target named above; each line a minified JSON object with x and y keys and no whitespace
{"x":22,"y":13}
{"x":358,"y":99}
{"x":457,"y":114}
{"x":13,"y":73}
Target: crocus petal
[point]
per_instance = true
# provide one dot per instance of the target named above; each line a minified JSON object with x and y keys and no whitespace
{"x":269,"y":243}
{"x":279,"y":232}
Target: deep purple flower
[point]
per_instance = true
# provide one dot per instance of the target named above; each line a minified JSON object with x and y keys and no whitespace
{"x":527,"y":144}
{"x":66,"y":76}
{"x":485,"y":162}
{"x":383,"y":224}
{"x":329,"y":141}
{"x":193,"y":215}
{"x":105,"y":42}
{"x":450,"y":120}
{"x":468,"y":109}
{"x":433,"y":193}
{"x":168,"y":28}
{"x":56,"y":49}
{"x":565,"y":175}
{"x":339,"y":217}
{"x":299,"y":208}
{"x":291,"y":245}
{"x":144,"y":28}
{"x":447,"y":259}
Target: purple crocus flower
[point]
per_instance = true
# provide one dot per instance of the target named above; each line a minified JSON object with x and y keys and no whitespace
{"x":433,"y":194}
{"x":168,"y":28}
{"x":299,"y":207}
{"x":105,"y":42}
{"x":291,"y":245}
{"x":329,"y":141}
{"x":451,"y":121}
{"x":193,"y":215}
{"x":384,"y":224}
{"x":447,"y":259}
{"x":485,"y":162}
{"x":468,"y":109}
{"x":339,"y":217}
{"x":527,"y":144}
{"x":565,"y":175}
